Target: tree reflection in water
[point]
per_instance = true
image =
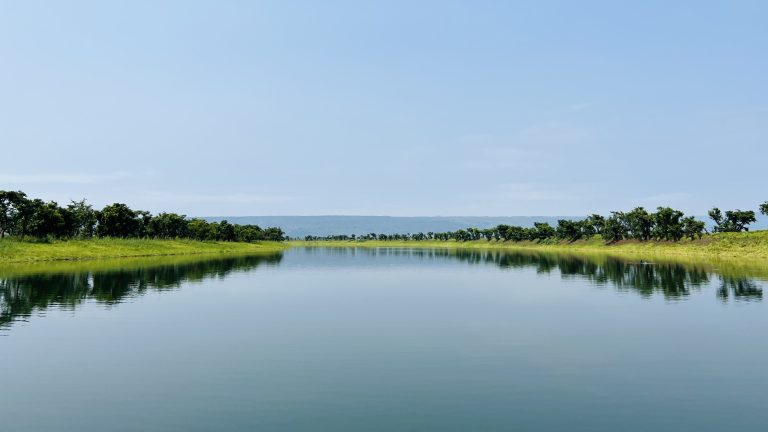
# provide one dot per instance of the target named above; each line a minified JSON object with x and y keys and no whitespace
{"x":21,"y":296}
{"x":672,"y":280}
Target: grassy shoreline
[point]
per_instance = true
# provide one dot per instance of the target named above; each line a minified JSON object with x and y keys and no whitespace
{"x":745,"y":245}
{"x":13,"y":251}
{"x":752,"y":246}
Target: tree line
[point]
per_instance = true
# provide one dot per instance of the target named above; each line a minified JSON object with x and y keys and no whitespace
{"x":665,"y":224}
{"x":22,"y":217}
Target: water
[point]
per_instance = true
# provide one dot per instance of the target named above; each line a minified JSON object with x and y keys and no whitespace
{"x":385,"y":340}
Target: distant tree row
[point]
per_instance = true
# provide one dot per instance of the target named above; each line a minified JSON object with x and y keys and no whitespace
{"x":33,"y":218}
{"x":666,"y":224}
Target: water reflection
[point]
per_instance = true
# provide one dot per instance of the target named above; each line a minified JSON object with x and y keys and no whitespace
{"x":739,"y":288}
{"x":21,"y":296}
{"x":673,"y":280}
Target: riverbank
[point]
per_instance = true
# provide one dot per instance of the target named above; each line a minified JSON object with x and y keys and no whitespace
{"x":752,"y":246}
{"x":747,"y":245}
{"x":13,"y":251}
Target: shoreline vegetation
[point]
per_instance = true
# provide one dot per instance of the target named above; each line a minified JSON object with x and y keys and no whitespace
{"x":32,"y":230}
{"x":736,"y":253}
{"x":729,"y":245}
{"x":744,"y":251}
{"x":17,"y":251}
{"x":667,"y":232}
{"x":24,"y":218}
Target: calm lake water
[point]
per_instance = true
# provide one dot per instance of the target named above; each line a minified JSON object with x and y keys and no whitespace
{"x":385,"y":340}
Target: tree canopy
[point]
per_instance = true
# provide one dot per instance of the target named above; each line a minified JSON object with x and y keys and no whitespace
{"x":22,"y":217}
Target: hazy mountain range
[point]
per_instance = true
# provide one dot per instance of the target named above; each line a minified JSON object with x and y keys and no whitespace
{"x":300,"y":226}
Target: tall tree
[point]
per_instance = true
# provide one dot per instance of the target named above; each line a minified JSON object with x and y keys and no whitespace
{"x":84,"y":219}
{"x":668,"y":225}
{"x":45,"y":219}
{"x":614,"y":229}
{"x":693,"y":228}
{"x":118,"y":220}
{"x":168,"y":225}
{"x":11,"y":204}
{"x":542,"y":231}
{"x":226,"y":231}
{"x":733,"y":221}
{"x":596,"y":222}
{"x":639,"y":223}
{"x":569,"y":230}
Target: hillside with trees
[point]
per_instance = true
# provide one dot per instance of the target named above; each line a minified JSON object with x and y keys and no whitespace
{"x":665,"y":224}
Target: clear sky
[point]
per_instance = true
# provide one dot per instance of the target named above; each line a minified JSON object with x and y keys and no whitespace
{"x":386,"y":108}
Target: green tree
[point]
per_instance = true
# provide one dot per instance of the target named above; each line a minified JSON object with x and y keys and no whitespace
{"x":764,"y":208}
{"x":588,"y":229}
{"x":168,"y":225}
{"x":11,"y":204}
{"x":639,"y":223}
{"x":542,"y":231}
{"x":274,"y":234}
{"x":83,"y":219}
{"x":503,"y":231}
{"x":199,"y":229}
{"x":144,"y":219}
{"x":248,"y":233}
{"x":226,"y":231}
{"x":118,"y":220}
{"x":693,"y":228}
{"x":668,"y":225}
{"x":614,"y":229}
{"x":44,"y":219}
{"x":597,"y":223}
{"x":733,"y":221}
{"x":569,"y":230}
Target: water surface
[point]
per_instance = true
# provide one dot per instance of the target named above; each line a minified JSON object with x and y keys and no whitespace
{"x":384,"y":340}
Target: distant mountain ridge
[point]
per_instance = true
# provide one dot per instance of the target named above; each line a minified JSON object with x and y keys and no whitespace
{"x":300,"y":226}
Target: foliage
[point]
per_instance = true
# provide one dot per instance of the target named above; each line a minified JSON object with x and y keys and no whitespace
{"x":733,"y":221}
{"x":118,"y":220}
{"x":614,"y":228}
{"x":22,"y":217}
{"x":693,"y":228}
{"x":668,"y":224}
{"x":83,"y":219}
{"x":11,"y":203}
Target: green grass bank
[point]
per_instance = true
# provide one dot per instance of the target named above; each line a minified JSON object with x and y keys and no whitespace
{"x":752,"y":246}
{"x":14,"y":251}
{"x":744,"y":245}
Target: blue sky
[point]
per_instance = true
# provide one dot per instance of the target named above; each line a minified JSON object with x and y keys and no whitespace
{"x":386,"y":108}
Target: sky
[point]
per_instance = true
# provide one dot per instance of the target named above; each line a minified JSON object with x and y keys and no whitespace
{"x":403,"y":108}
